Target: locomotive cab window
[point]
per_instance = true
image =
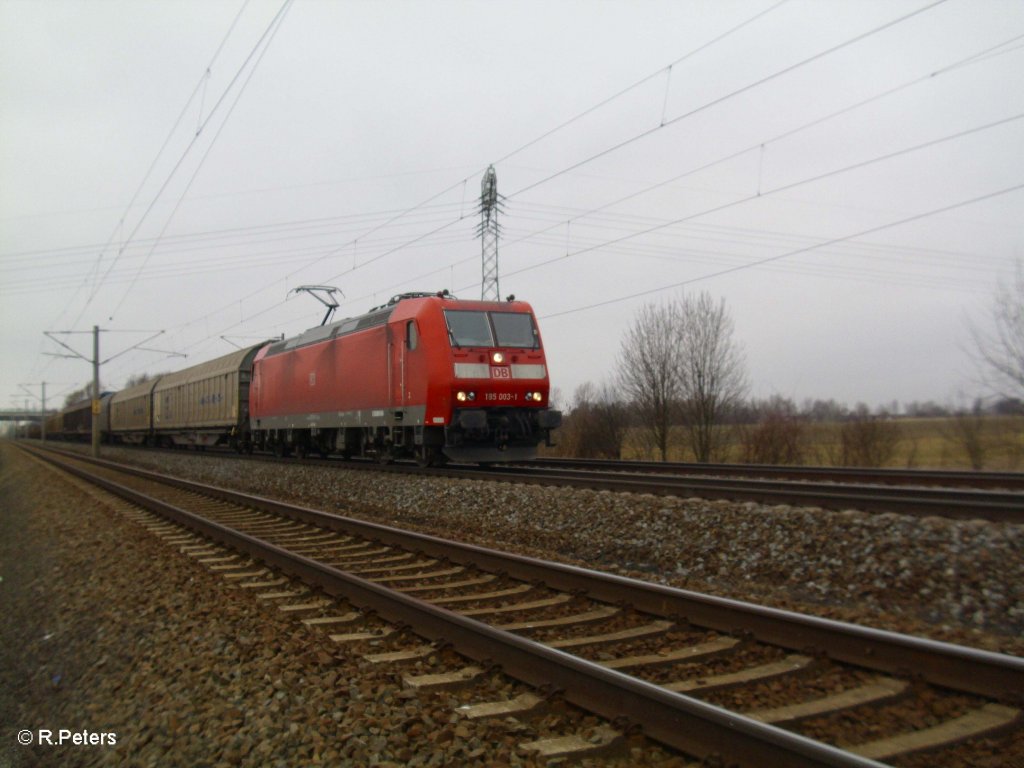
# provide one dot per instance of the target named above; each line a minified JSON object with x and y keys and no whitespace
{"x":468,"y":329}
{"x":412,"y":338}
{"x":514,"y":329}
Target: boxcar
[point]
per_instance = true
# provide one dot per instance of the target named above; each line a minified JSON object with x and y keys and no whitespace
{"x":205,"y":405}
{"x":75,"y":421}
{"x":131,"y":414}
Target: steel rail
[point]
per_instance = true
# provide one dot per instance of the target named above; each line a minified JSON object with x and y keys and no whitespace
{"x":958,"y":503}
{"x":923,"y":502}
{"x":859,"y":475}
{"x":961,"y":668}
{"x":676,"y":720}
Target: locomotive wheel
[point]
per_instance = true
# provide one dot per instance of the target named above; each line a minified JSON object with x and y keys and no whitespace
{"x":429,"y":456}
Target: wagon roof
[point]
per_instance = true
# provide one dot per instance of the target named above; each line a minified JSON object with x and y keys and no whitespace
{"x":220,"y":366}
{"x":142,"y":388}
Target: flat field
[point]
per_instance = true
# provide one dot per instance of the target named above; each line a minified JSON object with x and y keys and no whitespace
{"x":995,"y":442}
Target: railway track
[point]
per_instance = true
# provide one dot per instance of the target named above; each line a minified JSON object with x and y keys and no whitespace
{"x":680,"y":665}
{"x":1008,"y":481}
{"x":838,"y":494}
{"x":998,"y":506}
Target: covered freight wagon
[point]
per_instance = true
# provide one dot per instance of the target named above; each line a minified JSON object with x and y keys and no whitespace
{"x":131,"y":413}
{"x":207,"y":404}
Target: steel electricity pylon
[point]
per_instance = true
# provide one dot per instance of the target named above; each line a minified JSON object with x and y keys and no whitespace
{"x":489,"y":231}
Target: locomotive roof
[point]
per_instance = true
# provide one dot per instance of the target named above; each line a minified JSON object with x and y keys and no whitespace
{"x":376,"y":316}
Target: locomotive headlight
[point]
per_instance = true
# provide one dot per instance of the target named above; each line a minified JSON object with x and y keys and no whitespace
{"x":497,"y":358}
{"x":538,"y":396}
{"x":460,"y":396}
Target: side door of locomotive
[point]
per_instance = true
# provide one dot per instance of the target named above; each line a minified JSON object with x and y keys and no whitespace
{"x":403,"y":341}
{"x":396,"y":364}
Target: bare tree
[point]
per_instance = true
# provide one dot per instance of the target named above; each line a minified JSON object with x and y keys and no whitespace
{"x":679,"y":361}
{"x":711,"y":371}
{"x":649,"y":371}
{"x":1001,"y":350}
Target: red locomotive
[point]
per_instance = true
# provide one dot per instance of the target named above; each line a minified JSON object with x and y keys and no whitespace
{"x":424,"y":376}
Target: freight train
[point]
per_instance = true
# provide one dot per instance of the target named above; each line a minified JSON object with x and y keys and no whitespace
{"x":425,"y":376}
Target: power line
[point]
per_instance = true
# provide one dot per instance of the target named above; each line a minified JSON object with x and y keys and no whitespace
{"x":778,"y":257}
{"x":188,"y":149}
{"x":667,"y":68}
{"x":388,"y":223}
{"x":776,"y":190}
{"x":156,"y":158}
{"x":464,"y":181}
{"x":721,"y":99}
{"x":972,"y":59}
{"x":275,"y":24}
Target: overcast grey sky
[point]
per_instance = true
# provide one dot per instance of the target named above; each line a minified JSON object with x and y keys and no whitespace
{"x":181,"y":166}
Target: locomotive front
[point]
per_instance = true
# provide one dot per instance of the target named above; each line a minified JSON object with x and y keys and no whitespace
{"x":497,"y":396}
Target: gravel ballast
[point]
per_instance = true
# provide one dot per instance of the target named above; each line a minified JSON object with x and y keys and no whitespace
{"x":106,"y":630}
{"x":955,"y":580}
{"x":112,"y":635}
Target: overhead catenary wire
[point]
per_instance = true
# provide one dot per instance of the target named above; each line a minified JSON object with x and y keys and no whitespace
{"x":714,"y":102}
{"x":152,"y":166}
{"x":982,"y":55}
{"x":213,"y":110}
{"x":796,"y":252}
{"x":973,"y":58}
{"x":674,"y":120}
{"x":462,"y":182}
{"x":646,"y":79}
{"x":783,"y":188}
{"x":707,"y":105}
{"x":275,"y":26}
{"x":388,"y":223}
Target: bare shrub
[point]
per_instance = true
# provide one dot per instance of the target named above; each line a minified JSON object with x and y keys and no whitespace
{"x":968,"y":431}
{"x":597,"y":425}
{"x":777,"y":439}
{"x":868,"y":441}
